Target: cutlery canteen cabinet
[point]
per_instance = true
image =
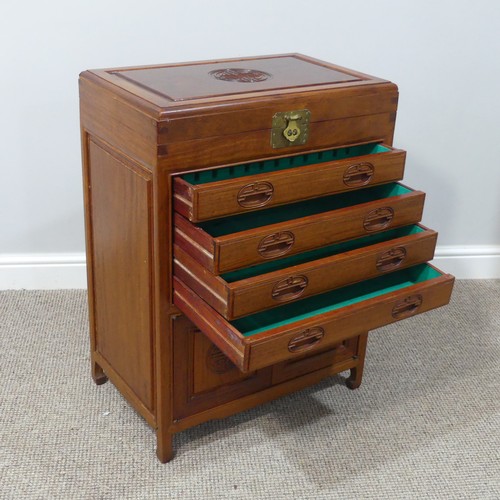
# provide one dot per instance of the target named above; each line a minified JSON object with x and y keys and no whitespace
{"x":245,"y":230}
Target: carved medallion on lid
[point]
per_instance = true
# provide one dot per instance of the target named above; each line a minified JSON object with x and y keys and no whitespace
{"x":241,"y":75}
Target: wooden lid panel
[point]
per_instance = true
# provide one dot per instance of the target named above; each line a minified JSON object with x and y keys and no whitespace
{"x":174,"y":85}
{"x":188,"y":82}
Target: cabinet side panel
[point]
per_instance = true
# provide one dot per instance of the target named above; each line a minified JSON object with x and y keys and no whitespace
{"x":121,"y":245}
{"x":106,"y":115}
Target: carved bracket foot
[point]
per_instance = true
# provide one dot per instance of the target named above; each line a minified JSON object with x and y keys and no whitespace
{"x":98,"y":375}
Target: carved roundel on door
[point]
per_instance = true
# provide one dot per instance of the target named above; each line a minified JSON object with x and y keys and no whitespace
{"x":241,"y":75}
{"x":217,"y":361}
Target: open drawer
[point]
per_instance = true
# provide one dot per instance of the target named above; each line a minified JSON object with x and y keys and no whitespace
{"x":284,"y":332}
{"x":229,"y":190}
{"x":274,"y":283}
{"x":240,"y":241}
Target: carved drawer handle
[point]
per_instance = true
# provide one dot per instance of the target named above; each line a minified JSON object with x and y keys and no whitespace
{"x":391,"y":259}
{"x":217,"y":361}
{"x":358,"y":175}
{"x":289,"y":288}
{"x":407,"y":307}
{"x":276,"y":244}
{"x":306,"y":340}
{"x":255,"y":194}
{"x":378,"y":219}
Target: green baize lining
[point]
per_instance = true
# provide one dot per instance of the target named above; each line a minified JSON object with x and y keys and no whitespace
{"x":319,"y":253}
{"x":274,"y":215}
{"x":333,"y":300}
{"x":266,"y":166}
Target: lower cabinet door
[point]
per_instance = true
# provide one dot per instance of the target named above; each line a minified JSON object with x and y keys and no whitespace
{"x":203,"y":376}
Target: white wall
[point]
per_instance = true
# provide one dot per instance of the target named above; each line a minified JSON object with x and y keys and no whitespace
{"x":444,"y":55}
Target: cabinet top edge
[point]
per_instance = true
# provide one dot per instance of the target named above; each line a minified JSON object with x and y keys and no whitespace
{"x":169,"y":89}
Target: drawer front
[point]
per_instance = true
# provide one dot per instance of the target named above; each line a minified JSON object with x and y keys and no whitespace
{"x":292,"y":330}
{"x":273,"y":284}
{"x":253,"y":186}
{"x":241,"y":241}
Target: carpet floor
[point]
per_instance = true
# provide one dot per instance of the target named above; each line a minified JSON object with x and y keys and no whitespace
{"x":425,"y":423}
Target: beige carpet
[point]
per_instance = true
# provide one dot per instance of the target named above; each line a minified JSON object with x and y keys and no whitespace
{"x":424,"y":424}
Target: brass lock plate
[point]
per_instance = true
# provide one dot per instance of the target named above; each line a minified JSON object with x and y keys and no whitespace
{"x":290,"y":128}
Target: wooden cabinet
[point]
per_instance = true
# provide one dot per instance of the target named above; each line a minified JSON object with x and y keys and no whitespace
{"x":245,"y":230}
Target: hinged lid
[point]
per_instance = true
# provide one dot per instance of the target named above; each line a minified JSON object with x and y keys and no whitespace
{"x":171,"y":84}
{"x":177,"y":85}
{"x":267,"y":105}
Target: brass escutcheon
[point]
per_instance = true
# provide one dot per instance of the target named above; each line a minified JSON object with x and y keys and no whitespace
{"x":290,"y":128}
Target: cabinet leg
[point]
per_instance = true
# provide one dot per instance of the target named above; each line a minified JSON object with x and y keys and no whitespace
{"x":356,"y":375}
{"x":97,"y":374}
{"x":164,"y":447}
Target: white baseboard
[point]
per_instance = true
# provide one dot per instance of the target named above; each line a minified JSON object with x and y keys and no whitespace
{"x":48,"y":271}
{"x":469,"y":262}
{"x":65,"y":271}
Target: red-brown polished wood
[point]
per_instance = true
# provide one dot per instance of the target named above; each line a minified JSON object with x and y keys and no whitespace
{"x":142,"y":127}
{"x":220,"y":254}
{"x":221,"y":198}
{"x":250,"y":295}
{"x":271,"y":346}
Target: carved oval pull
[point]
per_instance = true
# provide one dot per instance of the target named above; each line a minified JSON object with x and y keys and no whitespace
{"x":255,"y":194}
{"x":358,"y":175}
{"x":289,"y":288}
{"x":217,"y":361}
{"x":407,"y":307}
{"x":276,"y":244}
{"x":391,"y":259}
{"x":378,"y":219}
{"x":306,"y":340}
